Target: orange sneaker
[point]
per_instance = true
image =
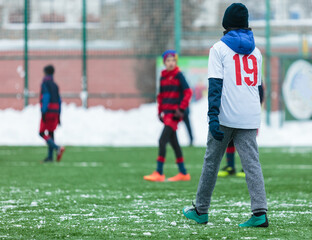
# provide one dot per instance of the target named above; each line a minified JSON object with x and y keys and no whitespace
{"x":180,"y":177}
{"x":155,"y":177}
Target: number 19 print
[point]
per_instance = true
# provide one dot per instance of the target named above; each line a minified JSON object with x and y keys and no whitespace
{"x":253,"y":70}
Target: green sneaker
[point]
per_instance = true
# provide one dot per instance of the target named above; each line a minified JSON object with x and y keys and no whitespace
{"x":241,"y":174}
{"x":261,"y":221}
{"x":226,"y":171}
{"x":191,"y":213}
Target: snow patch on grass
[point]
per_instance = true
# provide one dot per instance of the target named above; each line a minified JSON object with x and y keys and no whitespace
{"x":173,"y":223}
{"x":227,"y":220}
{"x":34,"y":204}
{"x":6,"y":207}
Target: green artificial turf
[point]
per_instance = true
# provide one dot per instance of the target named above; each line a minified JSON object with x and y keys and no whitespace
{"x":99,"y":193}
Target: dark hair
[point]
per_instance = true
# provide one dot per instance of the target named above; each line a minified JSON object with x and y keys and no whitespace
{"x":231,"y":29}
{"x":48,"y":70}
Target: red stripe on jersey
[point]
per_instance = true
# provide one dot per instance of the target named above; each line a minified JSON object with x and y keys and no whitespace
{"x":169,"y":95}
{"x":167,"y":82}
{"x":169,"y":106}
{"x":54,"y":106}
{"x":186,"y":99}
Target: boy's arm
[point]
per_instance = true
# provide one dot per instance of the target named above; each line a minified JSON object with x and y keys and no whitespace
{"x":215,"y":78}
{"x":214,"y":101}
{"x":60,"y":104}
{"x":261,"y":93}
{"x":159,"y":99}
{"x":214,"y":98}
{"x":187,"y":93}
{"x":45,"y":98}
{"x":159,"y":102}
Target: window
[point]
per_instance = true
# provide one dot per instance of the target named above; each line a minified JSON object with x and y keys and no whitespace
{"x":46,"y":12}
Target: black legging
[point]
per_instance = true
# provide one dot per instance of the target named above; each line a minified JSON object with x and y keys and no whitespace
{"x":51,"y":135}
{"x":169,"y":135}
{"x":188,"y":126}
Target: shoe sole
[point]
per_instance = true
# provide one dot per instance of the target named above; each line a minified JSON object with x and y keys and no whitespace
{"x":151,"y":180}
{"x":181,"y":180}
{"x":227,"y":175}
{"x":193,"y":219}
{"x":263,"y":225}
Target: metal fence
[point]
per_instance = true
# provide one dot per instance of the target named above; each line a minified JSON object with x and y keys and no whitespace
{"x":105,"y":51}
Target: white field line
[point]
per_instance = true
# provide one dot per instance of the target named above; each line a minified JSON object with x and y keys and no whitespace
{"x":127,"y":165}
{"x":295,"y":166}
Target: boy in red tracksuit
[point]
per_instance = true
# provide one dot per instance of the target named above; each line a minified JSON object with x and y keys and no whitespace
{"x":50,"y":102}
{"x":173,"y":99}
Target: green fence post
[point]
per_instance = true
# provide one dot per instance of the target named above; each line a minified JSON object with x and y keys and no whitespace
{"x":84,"y":96}
{"x":26,"y":90}
{"x":177,"y":25}
{"x":268,"y":62}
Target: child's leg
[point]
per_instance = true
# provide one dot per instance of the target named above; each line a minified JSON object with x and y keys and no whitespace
{"x":178,"y":152}
{"x":214,"y":153}
{"x":51,"y":134}
{"x":230,"y":155}
{"x":52,"y":144}
{"x":188,"y":127}
{"x":45,"y":137}
{"x":247,"y":148}
{"x":50,"y":149}
{"x":163,"y":140}
{"x":48,"y":125}
{"x":49,"y":140}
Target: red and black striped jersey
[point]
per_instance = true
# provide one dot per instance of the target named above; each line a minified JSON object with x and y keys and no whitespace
{"x":174,"y":92}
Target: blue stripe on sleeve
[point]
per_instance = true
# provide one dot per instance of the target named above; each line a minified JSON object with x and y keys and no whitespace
{"x":45,"y":102}
{"x":60,"y":104}
{"x":183,"y":82}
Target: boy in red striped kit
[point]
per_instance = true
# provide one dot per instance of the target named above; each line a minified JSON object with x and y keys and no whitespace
{"x":173,"y":98}
{"x":50,"y":102}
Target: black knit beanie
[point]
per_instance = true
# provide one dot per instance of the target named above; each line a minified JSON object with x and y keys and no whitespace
{"x":235,"y":16}
{"x":49,"y":70}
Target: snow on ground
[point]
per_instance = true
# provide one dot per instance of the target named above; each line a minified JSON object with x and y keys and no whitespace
{"x":98,"y":126}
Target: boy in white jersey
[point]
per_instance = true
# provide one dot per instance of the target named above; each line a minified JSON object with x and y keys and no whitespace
{"x":234,"y":74}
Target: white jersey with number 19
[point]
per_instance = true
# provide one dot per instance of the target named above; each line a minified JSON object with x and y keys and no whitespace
{"x":241,"y":74}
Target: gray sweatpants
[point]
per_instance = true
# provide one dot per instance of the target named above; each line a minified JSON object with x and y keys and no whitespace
{"x":247,"y":148}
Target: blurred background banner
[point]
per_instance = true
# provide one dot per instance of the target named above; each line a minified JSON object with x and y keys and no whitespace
{"x":194,"y":69}
{"x":297,"y":89}
{"x":105,"y":51}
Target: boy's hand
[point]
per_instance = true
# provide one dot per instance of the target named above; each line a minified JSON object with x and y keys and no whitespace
{"x":43,"y":117}
{"x":179,"y":114}
{"x":215,"y":131}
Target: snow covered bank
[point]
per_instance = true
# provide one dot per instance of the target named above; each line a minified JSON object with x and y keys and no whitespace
{"x":137,"y":127}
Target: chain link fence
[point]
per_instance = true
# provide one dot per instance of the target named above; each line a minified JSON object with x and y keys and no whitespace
{"x":105,"y":51}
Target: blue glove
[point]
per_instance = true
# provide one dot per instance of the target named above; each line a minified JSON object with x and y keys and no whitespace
{"x":215,"y":131}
